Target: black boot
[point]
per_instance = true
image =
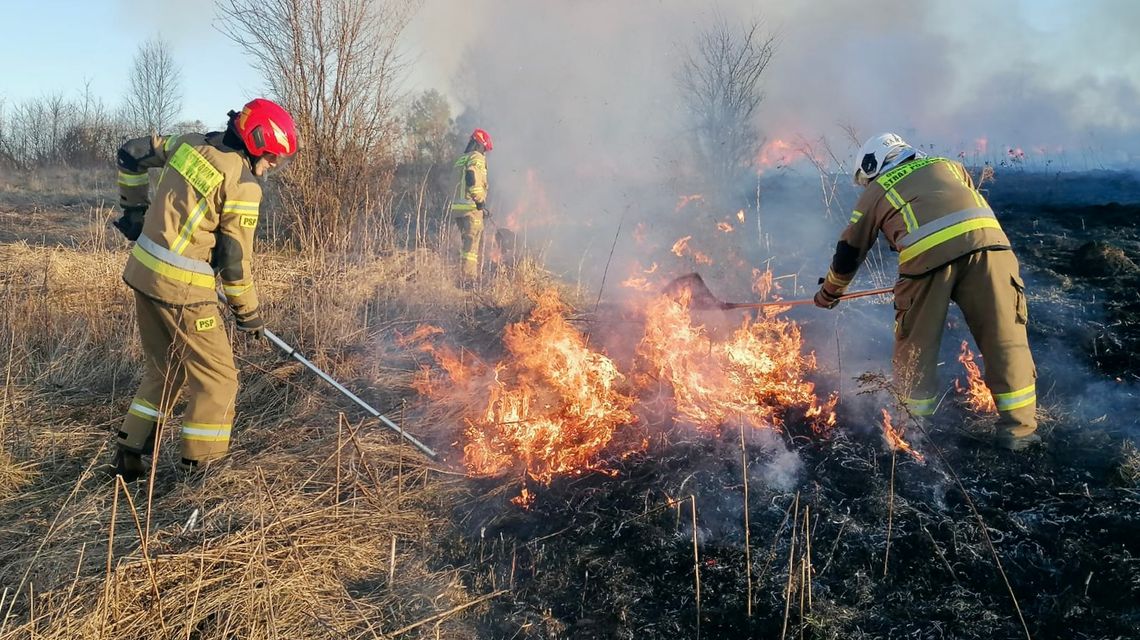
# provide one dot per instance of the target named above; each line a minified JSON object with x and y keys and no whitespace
{"x":129,"y":465}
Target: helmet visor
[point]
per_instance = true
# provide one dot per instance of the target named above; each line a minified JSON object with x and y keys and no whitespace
{"x":272,"y":164}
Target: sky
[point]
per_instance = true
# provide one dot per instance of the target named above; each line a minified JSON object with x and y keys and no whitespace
{"x":1044,"y":74}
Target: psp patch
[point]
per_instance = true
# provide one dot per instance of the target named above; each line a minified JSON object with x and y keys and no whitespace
{"x":205,"y":324}
{"x":249,"y":222}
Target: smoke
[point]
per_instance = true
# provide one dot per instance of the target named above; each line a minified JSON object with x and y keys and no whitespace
{"x":582,"y":100}
{"x":782,"y":473}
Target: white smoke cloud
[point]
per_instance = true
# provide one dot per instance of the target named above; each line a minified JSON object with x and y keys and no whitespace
{"x":581,"y":98}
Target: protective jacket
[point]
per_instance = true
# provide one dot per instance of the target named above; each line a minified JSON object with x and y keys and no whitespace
{"x":471,"y":188}
{"x":929,"y":212}
{"x":201,"y":224}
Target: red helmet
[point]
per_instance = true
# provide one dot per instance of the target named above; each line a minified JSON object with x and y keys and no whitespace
{"x":265,"y":127}
{"x":483,"y":138}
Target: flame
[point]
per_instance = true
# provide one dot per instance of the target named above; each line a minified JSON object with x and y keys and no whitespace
{"x":740,"y":215}
{"x":775,"y":153}
{"x":977,"y":395}
{"x":681,"y":247}
{"x":639,"y":233}
{"x":685,"y":201}
{"x":637,"y":283}
{"x":778,"y":153}
{"x":532,"y":202}
{"x":755,"y":374}
{"x":549,"y":407}
{"x":524,"y":499}
{"x":762,"y":283}
{"x":980,"y":146}
{"x":724,"y":226}
{"x":895,"y":440}
{"x":554,"y":406}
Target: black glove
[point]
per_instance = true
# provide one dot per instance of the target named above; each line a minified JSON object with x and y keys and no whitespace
{"x":482,"y":206}
{"x":825,"y":300}
{"x":130,"y":224}
{"x":252,"y":324}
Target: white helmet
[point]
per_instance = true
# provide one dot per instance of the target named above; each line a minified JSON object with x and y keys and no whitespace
{"x":879,"y":154}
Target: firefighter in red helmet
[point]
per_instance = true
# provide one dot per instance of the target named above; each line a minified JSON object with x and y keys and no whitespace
{"x":469,"y":202}
{"x":198,"y":228}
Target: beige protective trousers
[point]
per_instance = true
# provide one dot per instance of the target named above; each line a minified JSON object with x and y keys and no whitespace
{"x":987,"y":288}
{"x":470,"y":233}
{"x":183,"y":346}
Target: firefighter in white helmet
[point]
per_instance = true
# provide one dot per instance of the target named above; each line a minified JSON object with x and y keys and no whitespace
{"x":951,"y":248}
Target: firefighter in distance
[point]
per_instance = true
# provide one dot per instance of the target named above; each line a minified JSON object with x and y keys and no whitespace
{"x":469,"y":202}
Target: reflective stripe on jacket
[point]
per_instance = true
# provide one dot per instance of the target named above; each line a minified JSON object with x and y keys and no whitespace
{"x":200,"y":224}
{"x":930,"y":213}
{"x":471,"y":186}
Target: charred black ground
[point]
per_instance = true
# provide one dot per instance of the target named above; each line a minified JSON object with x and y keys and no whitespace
{"x":613,"y":557}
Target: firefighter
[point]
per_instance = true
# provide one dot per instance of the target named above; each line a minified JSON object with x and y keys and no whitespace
{"x":199,"y":227}
{"x":469,"y":202}
{"x":951,"y":247}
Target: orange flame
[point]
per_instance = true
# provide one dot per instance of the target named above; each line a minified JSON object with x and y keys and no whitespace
{"x":977,"y":395}
{"x":775,"y":153}
{"x":533,"y":203}
{"x":740,"y":215}
{"x":550,"y":407}
{"x":756,"y":374}
{"x":554,"y":406}
{"x":778,"y":153}
{"x":895,"y":440}
{"x":724,"y":226}
{"x":637,"y":283}
{"x":681,"y":247}
{"x":639,"y":233}
{"x":685,"y":201}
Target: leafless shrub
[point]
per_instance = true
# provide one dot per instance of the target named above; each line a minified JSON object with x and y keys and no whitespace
{"x":334,"y":65}
{"x":154,"y":97}
{"x":56,"y":131}
{"x":720,"y":81}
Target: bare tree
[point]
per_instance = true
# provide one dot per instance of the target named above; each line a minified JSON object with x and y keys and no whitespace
{"x":720,"y":79}
{"x":154,"y":98}
{"x":334,"y":65}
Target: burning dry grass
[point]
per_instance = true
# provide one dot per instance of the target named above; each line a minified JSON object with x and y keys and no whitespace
{"x":550,"y":406}
{"x":554,"y":405}
{"x":756,"y":374}
{"x":975,"y":394}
